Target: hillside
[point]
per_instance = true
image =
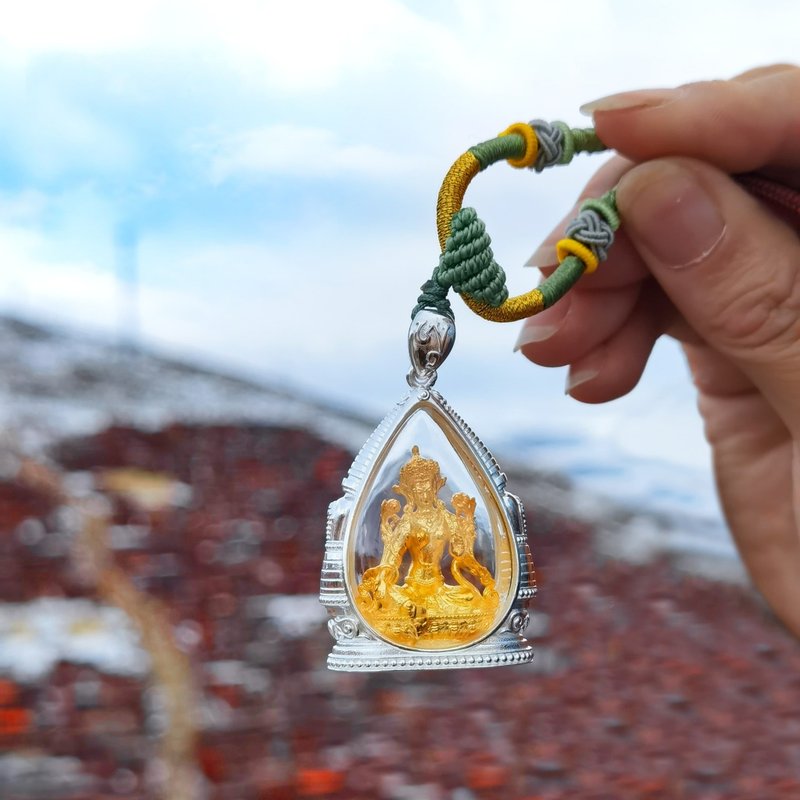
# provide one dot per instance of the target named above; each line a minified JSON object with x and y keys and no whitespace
{"x":56,"y":383}
{"x":174,"y":648}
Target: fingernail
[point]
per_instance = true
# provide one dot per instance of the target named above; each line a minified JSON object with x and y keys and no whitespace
{"x":543,"y":256}
{"x":625,"y":101}
{"x":534,"y":330}
{"x":575,"y":379}
{"x":671,"y":214}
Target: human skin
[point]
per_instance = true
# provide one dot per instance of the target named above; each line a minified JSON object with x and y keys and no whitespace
{"x":699,"y":259}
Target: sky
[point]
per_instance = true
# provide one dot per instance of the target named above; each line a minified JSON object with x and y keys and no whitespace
{"x":253,"y":184}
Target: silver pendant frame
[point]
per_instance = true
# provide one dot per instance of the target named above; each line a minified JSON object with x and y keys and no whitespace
{"x":359,"y":649}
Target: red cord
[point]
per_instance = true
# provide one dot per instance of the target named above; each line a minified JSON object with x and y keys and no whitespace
{"x":782,"y":199}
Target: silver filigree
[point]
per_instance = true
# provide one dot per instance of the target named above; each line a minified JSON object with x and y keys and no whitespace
{"x":343,"y":628}
{"x":430,"y":340}
{"x":518,"y":621}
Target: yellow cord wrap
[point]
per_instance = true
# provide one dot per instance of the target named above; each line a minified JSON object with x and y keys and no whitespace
{"x":567,"y":247}
{"x":528,"y":158}
{"x":512,"y":310}
{"x":451,"y":195}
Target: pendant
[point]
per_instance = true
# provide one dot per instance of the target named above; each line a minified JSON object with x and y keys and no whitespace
{"x":427,"y":564}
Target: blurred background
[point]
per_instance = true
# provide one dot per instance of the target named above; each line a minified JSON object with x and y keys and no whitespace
{"x":214,"y":220}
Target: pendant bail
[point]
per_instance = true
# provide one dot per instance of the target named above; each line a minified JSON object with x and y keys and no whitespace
{"x":430,"y":340}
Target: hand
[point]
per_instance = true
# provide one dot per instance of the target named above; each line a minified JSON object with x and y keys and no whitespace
{"x":701,"y":260}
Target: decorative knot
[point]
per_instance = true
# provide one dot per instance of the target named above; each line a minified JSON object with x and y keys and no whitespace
{"x":591,"y":229}
{"x":467,"y":263}
{"x":556,"y":143}
{"x":595,"y":224}
{"x":433,"y":298}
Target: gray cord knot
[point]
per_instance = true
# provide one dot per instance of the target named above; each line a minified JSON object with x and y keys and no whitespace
{"x":591,"y":229}
{"x":556,"y":143}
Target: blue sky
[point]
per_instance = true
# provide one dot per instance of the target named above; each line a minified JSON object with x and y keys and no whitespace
{"x":269,"y":171}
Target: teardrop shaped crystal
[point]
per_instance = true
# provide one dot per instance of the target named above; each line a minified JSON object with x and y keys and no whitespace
{"x":431,"y":561}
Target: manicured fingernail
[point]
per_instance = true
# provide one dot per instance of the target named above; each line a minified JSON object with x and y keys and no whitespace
{"x":671,"y":214}
{"x":575,"y":379}
{"x":625,"y":101}
{"x":543,"y":256}
{"x":534,"y":330}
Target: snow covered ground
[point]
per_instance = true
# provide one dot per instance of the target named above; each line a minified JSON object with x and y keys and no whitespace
{"x":35,"y":636}
{"x":674,"y":507}
{"x":55,"y":384}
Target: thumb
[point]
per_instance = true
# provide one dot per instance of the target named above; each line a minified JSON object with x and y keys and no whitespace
{"x":729,"y":266}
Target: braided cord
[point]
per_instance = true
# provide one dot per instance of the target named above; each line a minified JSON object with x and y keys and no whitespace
{"x":467,"y":263}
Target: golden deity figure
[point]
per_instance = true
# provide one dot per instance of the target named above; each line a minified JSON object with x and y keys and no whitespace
{"x":420,"y":607}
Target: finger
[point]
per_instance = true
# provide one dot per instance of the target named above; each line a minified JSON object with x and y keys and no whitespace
{"x":763,"y":72}
{"x":753,"y":465}
{"x":713,"y":374}
{"x":576,"y":324}
{"x":614,"y":367}
{"x":730,"y":268}
{"x":751,"y":461}
{"x":739,"y":126}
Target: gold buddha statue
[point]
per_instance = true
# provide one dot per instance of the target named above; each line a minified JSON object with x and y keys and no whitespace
{"x":420,"y":608}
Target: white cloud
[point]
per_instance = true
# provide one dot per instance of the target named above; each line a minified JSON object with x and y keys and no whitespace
{"x":283,"y":45}
{"x":76,"y":293}
{"x":302,"y":46}
{"x":57,"y":136}
{"x":23,"y":207}
{"x":296,"y":150}
{"x":84,"y":26}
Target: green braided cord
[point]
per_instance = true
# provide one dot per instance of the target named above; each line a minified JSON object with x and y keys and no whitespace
{"x":606,"y":207}
{"x":499,"y":149}
{"x":467,"y":263}
{"x":553,"y":288}
{"x":578,"y":140}
{"x":557,"y":284}
{"x":433,"y":298}
{"x":512,"y":145}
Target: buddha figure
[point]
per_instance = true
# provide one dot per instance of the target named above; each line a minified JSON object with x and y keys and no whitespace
{"x":406,"y":597}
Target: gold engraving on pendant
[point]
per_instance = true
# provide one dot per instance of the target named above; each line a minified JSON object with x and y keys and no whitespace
{"x":421,"y":606}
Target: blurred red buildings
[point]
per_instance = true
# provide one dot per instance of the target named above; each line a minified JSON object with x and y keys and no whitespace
{"x":646,"y":683}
